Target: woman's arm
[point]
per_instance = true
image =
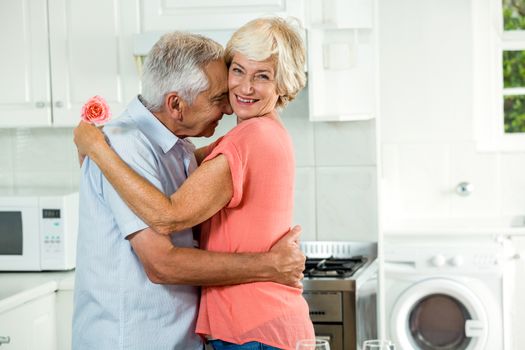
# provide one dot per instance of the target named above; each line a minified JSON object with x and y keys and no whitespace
{"x":203,"y":194}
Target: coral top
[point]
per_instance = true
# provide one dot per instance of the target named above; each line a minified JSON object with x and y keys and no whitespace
{"x":262,"y":165}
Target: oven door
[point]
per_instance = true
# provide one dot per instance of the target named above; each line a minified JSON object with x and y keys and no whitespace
{"x":19,"y":235}
{"x":326,"y":313}
{"x":333,"y":333}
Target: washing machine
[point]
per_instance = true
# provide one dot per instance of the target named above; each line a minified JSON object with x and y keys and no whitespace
{"x":445,"y":293}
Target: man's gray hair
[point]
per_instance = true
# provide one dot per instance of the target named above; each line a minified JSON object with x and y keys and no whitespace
{"x":176,"y":64}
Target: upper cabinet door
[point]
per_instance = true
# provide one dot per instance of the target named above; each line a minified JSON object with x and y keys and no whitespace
{"x":24,"y":64}
{"x":197,"y":15}
{"x":342,"y":60}
{"x":91,"y":54}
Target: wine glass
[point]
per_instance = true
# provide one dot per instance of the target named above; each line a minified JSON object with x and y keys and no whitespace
{"x":377,"y":344}
{"x":312,"y":344}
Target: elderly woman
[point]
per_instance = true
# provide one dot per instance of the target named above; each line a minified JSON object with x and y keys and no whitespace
{"x":247,"y":192}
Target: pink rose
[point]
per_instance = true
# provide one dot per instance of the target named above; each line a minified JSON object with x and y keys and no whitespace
{"x":96,"y":110}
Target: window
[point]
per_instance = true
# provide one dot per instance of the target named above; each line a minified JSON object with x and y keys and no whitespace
{"x":513,"y":69}
{"x":499,"y":74}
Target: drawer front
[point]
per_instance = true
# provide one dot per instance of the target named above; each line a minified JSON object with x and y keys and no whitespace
{"x":30,"y":326}
{"x":324,"y":306}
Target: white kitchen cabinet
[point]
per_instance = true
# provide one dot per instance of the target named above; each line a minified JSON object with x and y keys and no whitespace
{"x":342,"y":60}
{"x":214,"y":19}
{"x":198,"y":15}
{"x":58,"y":53}
{"x":25,"y":91}
{"x":64,"y":317}
{"x":31,"y":325}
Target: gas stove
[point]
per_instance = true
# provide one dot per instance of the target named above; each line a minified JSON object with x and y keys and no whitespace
{"x":340,"y":287}
{"x":333,"y":267}
{"x":338,"y":265}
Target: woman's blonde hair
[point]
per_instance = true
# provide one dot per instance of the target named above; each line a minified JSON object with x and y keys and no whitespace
{"x":273,"y":37}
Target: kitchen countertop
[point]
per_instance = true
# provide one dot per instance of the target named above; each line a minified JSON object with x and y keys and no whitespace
{"x":17,"y":288}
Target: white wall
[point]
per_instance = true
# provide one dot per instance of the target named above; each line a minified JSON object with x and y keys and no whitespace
{"x":335,"y":197}
{"x":427,"y":129}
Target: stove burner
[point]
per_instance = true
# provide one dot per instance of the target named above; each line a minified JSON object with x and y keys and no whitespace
{"x":333,"y":267}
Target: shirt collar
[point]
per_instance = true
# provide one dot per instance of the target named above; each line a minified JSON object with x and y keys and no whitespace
{"x":148,"y":124}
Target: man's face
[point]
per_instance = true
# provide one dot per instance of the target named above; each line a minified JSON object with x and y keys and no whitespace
{"x":202,"y":117}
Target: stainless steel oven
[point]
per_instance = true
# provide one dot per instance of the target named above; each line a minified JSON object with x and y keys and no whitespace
{"x":340,"y":287}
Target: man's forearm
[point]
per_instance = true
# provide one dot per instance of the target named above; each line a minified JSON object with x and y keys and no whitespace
{"x":167,"y":264}
{"x":204,"y":268}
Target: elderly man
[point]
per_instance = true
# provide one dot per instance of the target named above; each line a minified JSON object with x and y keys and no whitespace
{"x":134,"y":288}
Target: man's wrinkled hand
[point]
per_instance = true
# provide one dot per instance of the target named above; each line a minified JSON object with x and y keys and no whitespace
{"x":86,"y":137}
{"x":288,"y":259}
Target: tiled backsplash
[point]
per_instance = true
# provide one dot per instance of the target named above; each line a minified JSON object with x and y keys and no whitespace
{"x":335,"y":197}
{"x":40,"y":157}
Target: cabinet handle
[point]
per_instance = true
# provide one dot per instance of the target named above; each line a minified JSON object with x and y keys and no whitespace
{"x":4,"y":340}
{"x":40,"y":104}
{"x":464,"y":189}
{"x":59,"y":104}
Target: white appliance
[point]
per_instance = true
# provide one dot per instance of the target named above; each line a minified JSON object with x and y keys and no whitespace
{"x":445,"y":293}
{"x":38,"y":229}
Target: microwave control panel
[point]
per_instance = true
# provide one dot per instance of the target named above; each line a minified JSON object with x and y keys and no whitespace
{"x":52,"y":232}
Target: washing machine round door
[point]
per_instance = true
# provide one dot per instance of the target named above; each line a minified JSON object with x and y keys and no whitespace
{"x":439,"y":314}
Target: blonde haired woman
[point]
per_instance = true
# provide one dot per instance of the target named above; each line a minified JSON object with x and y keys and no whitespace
{"x":252,"y":206}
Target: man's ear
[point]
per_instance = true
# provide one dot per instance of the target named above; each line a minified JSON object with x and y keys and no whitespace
{"x":174,"y":105}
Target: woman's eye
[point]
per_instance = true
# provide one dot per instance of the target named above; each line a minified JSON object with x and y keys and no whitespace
{"x":236,"y":70}
{"x":262,"y":77}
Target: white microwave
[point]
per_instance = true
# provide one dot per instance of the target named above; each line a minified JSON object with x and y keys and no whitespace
{"x":38,"y":229}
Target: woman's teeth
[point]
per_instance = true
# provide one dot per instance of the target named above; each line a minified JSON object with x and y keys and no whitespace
{"x":245,"y":100}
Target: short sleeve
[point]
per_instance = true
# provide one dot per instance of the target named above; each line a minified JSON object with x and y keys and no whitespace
{"x":138,"y":155}
{"x":236,"y":162}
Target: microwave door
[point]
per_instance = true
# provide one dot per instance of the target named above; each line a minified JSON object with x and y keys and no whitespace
{"x":11,"y":236}
{"x":19,"y":239}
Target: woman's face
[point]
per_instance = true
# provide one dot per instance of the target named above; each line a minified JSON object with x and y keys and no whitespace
{"x":253,"y":90}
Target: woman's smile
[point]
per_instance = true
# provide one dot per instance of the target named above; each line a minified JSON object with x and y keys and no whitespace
{"x":245,"y":100}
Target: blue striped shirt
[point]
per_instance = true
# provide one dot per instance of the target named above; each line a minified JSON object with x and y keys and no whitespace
{"x":115,"y":304}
